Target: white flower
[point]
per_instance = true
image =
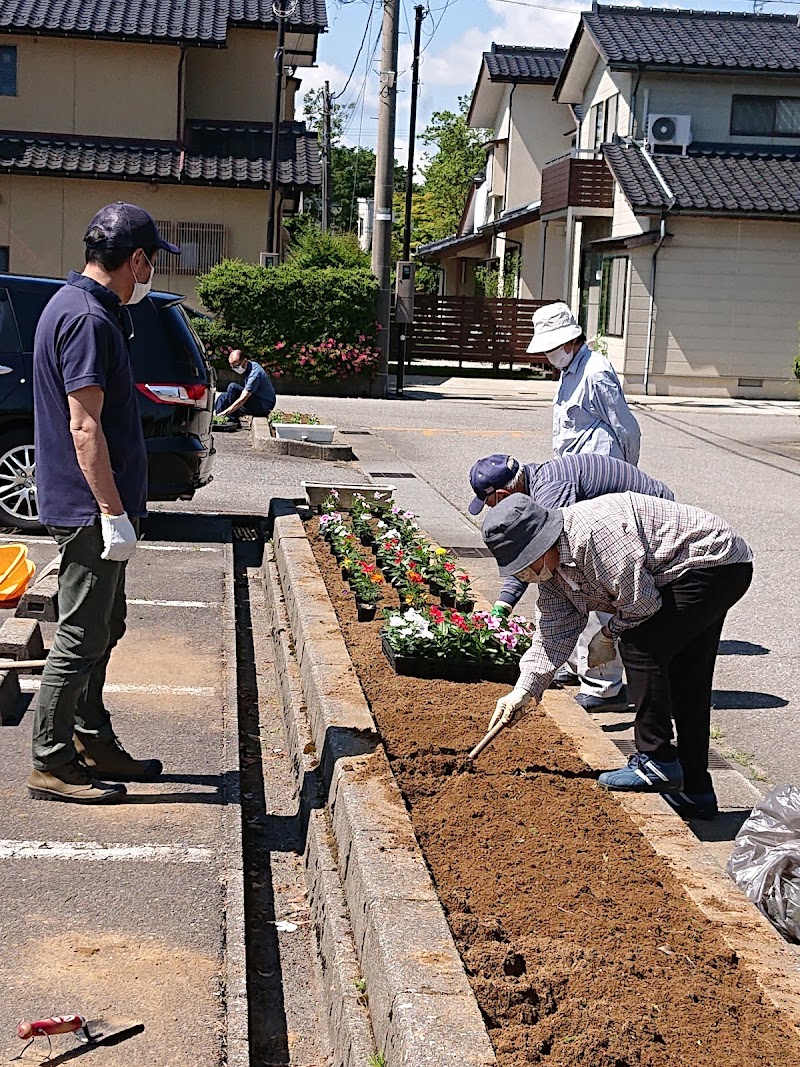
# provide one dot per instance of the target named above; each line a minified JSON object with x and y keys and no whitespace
{"x":396,"y":620}
{"x":381,"y":524}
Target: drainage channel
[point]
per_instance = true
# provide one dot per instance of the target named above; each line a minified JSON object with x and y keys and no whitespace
{"x":281,"y":952}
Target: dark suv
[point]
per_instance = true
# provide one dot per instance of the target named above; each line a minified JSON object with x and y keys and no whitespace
{"x":175,"y":391}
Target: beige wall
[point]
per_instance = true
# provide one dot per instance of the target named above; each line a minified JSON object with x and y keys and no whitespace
{"x":601,"y":85}
{"x":538,"y":126}
{"x":236,"y":82}
{"x":708,"y":101}
{"x":43,"y":221}
{"x":93,"y":88}
{"x":726,"y":308}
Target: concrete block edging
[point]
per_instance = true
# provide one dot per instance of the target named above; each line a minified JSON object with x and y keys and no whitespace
{"x":422,"y":1007}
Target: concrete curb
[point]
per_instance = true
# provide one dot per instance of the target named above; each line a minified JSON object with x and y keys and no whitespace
{"x":422,"y":1007}
{"x":345,"y":1002}
{"x":232,"y":858}
{"x":263,"y":441}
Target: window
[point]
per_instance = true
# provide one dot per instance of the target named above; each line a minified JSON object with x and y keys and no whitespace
{"x":598,"y":113}
{"x":765,"y":116}
{"x":9,"y":335}
{"x":613,"y":281}
{"x":610,"y":125}
{"x":202,"y":245}
{"x":8,"y":70}
{"x":4,"y":259}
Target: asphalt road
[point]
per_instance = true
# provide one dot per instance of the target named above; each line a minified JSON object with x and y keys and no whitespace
{"x":739,"y":460}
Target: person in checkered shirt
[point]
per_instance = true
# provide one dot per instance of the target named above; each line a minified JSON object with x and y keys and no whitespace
{"x":667,"y":574}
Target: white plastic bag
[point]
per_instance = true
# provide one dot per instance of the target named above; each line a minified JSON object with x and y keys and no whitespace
{"x":765,"y":862}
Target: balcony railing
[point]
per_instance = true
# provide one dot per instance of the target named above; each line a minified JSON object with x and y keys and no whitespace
{"x":575,"y":182}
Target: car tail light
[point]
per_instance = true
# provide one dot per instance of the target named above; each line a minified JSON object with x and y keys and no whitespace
{"x":195,"y":396}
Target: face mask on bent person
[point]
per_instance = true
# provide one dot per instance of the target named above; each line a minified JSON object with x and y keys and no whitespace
{"x":560,"y":357}
{"x":529,"y":575}
{"x":238,"y":370}
{"x":141,"y":289}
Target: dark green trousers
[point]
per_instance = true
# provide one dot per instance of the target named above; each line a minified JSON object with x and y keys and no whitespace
{"x":91,"y":620}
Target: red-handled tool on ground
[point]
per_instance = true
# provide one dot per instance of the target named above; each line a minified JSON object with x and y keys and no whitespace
{"x":93,"y":1032}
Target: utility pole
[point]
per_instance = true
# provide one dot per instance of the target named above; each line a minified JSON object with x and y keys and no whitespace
{"x":273,"y":229}
{"x":326,"y":158}
{"x":408,"y":328}
{"x":419,"y":16}
{"x":384,"y":180}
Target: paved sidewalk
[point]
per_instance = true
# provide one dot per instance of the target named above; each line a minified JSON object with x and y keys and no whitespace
{"x":118,"y":910}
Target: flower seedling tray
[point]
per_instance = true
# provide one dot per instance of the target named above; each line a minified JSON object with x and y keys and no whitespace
{"x":451,"y":670}
{"x":378,"y":495}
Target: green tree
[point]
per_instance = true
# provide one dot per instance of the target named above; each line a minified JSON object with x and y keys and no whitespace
{"x":449,"y":169}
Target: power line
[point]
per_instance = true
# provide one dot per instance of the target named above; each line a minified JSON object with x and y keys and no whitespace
{"x":336,"y":96}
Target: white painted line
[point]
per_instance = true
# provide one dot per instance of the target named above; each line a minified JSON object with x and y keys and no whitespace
{"x":93,"y":850}
{"x":32,"y":685}
{"x":146,"y":545}
{"x":178,"y":603}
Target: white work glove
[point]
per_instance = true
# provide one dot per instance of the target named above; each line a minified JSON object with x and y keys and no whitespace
{"x":119,"y":537}
{"x":601,"y":650}
{"x":508,"y":706}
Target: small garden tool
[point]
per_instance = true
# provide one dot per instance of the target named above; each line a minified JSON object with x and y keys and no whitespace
{"x":92,"y":1032}
{"x":487,"y":740}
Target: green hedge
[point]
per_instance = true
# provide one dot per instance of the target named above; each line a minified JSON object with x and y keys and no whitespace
{"x":267,"y":310}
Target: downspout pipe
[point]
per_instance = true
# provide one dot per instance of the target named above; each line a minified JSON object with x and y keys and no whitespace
{"x":648,"y":348}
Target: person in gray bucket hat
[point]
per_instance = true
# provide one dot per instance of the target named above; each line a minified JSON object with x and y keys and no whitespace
{"x":666,"y":574}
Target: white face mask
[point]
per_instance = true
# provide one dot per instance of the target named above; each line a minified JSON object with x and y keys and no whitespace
{"x":529,"y":575}
{"x":238,"y":370}
{"x":141,"y":289}
{"x":560,"y":357}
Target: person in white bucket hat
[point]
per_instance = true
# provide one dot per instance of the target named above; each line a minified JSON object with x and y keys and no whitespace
{"x":590,"y":415}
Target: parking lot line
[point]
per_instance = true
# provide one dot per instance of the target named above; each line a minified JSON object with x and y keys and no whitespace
{"x":177,"y":603}
{"x":147,"y":546}
{"x":93,"y":850}
{"x":31,"y":685}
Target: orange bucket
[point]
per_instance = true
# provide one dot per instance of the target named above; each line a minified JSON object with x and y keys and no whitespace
{"x":16,"y":571}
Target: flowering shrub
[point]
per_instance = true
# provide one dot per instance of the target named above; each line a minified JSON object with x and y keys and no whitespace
{"x":329,"y":359}
{"x":438,"y":634}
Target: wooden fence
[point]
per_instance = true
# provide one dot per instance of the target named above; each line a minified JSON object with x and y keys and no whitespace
{"x":473,"y":329}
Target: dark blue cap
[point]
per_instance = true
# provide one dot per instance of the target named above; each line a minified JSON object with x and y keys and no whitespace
{"x":487,"y":475}
{"x":125,"y":226}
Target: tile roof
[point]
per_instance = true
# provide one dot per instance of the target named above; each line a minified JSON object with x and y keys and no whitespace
{"x":217,"y":159}
{"x":720,"y":40}
{"x":540,"y":66}
{"x":708,"y":183}
{"x":167,"y":21}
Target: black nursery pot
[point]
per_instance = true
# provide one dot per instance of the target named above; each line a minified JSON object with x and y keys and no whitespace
{"x":434,"y":586}
{"x":448,"y":599}
{"x":366,"y":612}
{"x":465,"y":605}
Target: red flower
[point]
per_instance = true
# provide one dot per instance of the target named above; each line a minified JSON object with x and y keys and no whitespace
{"x":417,"y":579}
{"x":367,"y":567}
{"x":449,"y":567}
{"x":436,"y":614}
{"x":459,"y":621}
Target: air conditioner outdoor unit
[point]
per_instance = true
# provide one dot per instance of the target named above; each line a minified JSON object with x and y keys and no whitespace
{"x":669,"y":130}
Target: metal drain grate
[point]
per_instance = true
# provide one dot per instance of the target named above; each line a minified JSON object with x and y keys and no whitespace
{"x":467,"y":552}
{"x":716,"y":761}
{"x":245,"y":533}
{"x":392,"y":474}
{"x":355,"y":433}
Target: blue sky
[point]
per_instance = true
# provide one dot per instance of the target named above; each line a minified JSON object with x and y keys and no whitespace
{"x":455,"y":33}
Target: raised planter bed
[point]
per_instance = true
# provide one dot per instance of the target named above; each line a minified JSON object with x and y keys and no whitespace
{"x":579,"y":944}
{"x":454,"y":670}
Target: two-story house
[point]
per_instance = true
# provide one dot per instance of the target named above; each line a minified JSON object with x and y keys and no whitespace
{"x":691,"y":270}
{"x":161,"y":102}
{"x":501,"y":225}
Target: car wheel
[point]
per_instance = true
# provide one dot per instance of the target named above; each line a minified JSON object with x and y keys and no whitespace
{"x":18,"y":504}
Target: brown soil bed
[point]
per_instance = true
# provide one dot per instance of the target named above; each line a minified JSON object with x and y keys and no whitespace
{"x":580,"y":946}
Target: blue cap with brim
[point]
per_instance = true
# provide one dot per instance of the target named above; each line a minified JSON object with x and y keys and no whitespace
{"x":489,"y":474}
{"x":125,"y":226}
{"x":518,"y":532}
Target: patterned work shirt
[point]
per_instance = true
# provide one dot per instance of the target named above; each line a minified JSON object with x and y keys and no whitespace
{"x":590,"y":413}
{"x":616,"y":552}
{"x":567,"y":480}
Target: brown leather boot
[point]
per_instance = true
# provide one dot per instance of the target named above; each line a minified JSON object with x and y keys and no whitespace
{"x":108,"y":759}
{"x":72,"y":782}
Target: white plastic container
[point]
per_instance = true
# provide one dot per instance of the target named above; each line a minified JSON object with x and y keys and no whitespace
{"x":298,"y":431}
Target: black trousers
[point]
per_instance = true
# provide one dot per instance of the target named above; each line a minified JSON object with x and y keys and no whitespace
{"x":669,"y":661}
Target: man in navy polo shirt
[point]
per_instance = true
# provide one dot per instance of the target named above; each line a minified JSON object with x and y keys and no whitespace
{"x":254,"y":396}
{"x":91,"y":478}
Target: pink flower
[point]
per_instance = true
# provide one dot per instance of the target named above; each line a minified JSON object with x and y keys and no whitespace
{"x":280,"y":345}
